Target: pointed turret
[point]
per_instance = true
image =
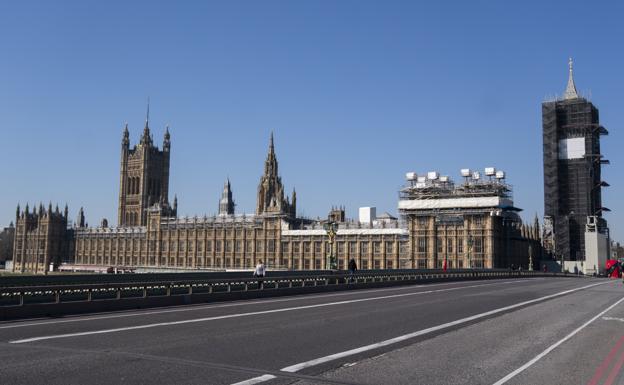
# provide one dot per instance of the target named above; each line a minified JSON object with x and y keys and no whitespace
{"x":125,"y":139}
{"x":80,"y":220}
{"x":570,"y":92}
{"x":26,"y":209}
{"x":66,"y":212}
{"x":17,"y":212}
{"x":226,"y":203}
{"x":167,"y":139}
{"x":175,"y":205}
{"x":146,"y":138}
{"x":536,"y":226}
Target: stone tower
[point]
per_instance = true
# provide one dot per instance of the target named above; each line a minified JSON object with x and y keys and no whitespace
{"x":226,"y":203}
{"x":144,"y":176}
{"x":41,"y":239}
{"x":271,"y":191}
{"x":572,"y":171}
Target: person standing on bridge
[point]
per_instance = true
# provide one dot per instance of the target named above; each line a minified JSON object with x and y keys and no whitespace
{"x":259,"y":273}
{"x":352,"y":268}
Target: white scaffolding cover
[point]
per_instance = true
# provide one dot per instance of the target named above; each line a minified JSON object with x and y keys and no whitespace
{"x":455,"y":203}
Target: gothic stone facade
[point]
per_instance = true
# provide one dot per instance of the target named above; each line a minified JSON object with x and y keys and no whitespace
{"x":151,"y":235}
{"x":41,"y":238}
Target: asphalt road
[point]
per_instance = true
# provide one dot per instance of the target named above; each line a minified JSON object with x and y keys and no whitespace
{"x":520,"y":331}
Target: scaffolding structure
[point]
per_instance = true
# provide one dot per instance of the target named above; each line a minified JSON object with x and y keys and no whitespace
{"x":572,"y":174}
{"x":428,"y":192}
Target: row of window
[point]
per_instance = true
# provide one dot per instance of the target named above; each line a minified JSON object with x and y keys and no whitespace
{"x":295,"y":263}
{"x":218,"y":233}
{"x":477,"y":220}
{"x":474,"y":244}
{"x":237,"y":246}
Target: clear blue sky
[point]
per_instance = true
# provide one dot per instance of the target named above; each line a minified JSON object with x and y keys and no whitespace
{"x":357,"y":92}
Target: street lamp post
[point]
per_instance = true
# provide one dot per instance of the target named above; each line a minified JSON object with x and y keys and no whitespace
{"x":469,"y":249}
{"x":331,"y":228}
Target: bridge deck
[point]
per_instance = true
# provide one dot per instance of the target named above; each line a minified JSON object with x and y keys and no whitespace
{"x":453,"y":332}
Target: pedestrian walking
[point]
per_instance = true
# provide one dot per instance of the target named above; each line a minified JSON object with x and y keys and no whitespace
{"x":352,"y":268}
{"x":259,"y":273}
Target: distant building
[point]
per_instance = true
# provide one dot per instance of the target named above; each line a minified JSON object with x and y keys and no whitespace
{"x":572,"y":172}
{"x":367,"y":214}
{"x":150,"y":235}
{"x":7,"y":236}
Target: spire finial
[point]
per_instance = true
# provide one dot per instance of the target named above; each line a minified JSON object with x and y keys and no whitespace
{"x":271,"y":148}
{"x":147,"y":116}
{"x":570,"y":92}
{"x":146,"y":139}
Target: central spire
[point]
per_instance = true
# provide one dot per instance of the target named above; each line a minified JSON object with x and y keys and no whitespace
{"x":270,"y":190}
{"x":570,"y":92}
{"x":270,"y":165}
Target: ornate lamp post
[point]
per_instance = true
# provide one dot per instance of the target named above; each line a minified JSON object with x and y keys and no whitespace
{"x":331,"y":228}
{"x":469,"y":249}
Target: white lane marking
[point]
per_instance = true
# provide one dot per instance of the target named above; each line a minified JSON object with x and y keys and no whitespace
{"x":246,"y":302}
{"x":554,"y":346}
{"x":613,"y":319}
{"x":238,"y":315}
{"x":256,"y":380}
{"x":332,"y":357}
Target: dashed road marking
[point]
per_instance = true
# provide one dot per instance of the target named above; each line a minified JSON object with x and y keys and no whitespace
{"x":377,"y":345}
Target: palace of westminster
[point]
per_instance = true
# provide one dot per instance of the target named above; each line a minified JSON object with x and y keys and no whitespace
{"x":469,"y":224}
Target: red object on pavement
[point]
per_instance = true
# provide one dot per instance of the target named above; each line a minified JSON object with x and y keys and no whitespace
{"x":613,"y":268}
{"x":444,"y":266}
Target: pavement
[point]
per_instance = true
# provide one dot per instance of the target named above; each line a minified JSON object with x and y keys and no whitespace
{"x":513,"y":331}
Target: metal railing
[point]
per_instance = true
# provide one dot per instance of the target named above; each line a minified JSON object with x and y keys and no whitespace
{"x":64,"y":293}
